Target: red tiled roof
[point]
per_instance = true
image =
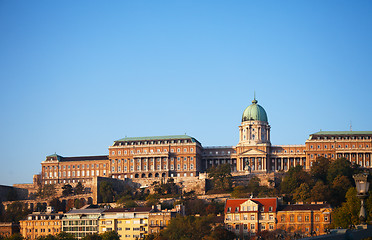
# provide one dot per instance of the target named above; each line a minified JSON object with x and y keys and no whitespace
{"x":262,"y":202}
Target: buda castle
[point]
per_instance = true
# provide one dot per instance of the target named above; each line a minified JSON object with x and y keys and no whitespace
{"x":179,"y":156}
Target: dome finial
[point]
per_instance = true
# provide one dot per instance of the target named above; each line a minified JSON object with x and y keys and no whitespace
{"x":254,"y":98}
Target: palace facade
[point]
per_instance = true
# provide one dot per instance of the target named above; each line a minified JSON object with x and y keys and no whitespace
{"x":184,"y":156}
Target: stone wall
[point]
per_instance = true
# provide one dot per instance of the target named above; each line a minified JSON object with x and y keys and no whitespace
{"x":266,"y":179}
{"x":187,"y":184}
{"x":12,"y":193}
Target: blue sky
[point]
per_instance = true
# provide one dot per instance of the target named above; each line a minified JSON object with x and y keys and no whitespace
{"x":77,"y":75}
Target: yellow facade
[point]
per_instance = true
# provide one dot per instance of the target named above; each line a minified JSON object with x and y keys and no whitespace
{"x":32,"y":229}
{"x":128,"y":223}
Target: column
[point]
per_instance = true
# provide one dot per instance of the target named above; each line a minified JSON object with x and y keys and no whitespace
{"x":275,"y":165}
{"x":255,"y":163}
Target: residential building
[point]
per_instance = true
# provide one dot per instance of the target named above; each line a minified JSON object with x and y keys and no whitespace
{"x":41,"y":224}
{"x":246,"y":217}
{"x":307,"y":219}
{"x":130,"y":223}
{"x":160,"y":219}
{"x":82,"y":222}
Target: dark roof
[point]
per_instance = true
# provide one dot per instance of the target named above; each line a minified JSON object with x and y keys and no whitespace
{"x":154,"y":138}
{"x":349,"y":133}
{"x":84,"y":158}
{"x":136,"y":209}
{"x":302,"y":207}
{"x":86,"y":211}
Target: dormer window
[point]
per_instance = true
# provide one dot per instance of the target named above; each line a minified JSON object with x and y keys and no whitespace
{"x":229,"y":209}
{"x":270,"y":209}
{"x":237,"y":209}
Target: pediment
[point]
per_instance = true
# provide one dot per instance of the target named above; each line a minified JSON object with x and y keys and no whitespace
{"x":253,"y":152}
{"x":249,"y":202}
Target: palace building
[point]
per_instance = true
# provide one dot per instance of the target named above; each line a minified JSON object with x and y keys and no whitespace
{"x":184,"y":156}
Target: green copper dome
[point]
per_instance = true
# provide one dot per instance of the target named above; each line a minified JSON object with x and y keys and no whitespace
{"x":254,"y":112}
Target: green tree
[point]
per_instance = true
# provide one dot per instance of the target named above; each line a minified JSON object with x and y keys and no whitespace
{"x":47,"y":191}
{"x":16,"y":236}
{"x":339,"y":188}
{"x":15,"y":211}
{"x":220,"y":233}
{"x":221,"y":177}
{"x":188,"y":227}
{"x":106,"y":191}
{"x":47,"y":237}
{"x":79,"y":189}
{"x":339,"y":167}
{"x":65,"y":236}
{"x":94,"y":236}
{"x":320,"y":192}
{"x":320,"y":168}
{"x":57,"y":205}
{"x":111,"y":235}
{"x":348,"y":212}
{"x":67,"y":190}
{"x":294,"y":178}
{"x":152,"y":199}
{"x":302,"y":194}
{"x":40,"y":207}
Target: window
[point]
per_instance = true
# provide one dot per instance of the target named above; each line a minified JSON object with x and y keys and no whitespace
{"x":252,"y":217}
{"x":325,"y":218}
{"x":282,"y":218}
{"x":307,"y":218}
{"x":178,"y":167}
{"x":291,"y":218}
{"x":191,"y":166}
{"x":252,"y":226}
{"x":237,"y":227}
{"x":299,"y":218}
{"x":172,"y":167}
{"x":316,"y":218}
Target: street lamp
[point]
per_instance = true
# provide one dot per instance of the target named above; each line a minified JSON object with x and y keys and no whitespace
{"x":362,"y":185}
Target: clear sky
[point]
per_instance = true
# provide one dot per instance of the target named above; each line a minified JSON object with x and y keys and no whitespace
{"x":77,"y":75}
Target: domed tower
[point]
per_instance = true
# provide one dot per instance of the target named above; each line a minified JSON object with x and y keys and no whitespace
{"x":254,"y":128}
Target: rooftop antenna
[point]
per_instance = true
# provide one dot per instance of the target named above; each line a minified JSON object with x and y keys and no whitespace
{"x":351,"y":127}
{"x":254,"y":95}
